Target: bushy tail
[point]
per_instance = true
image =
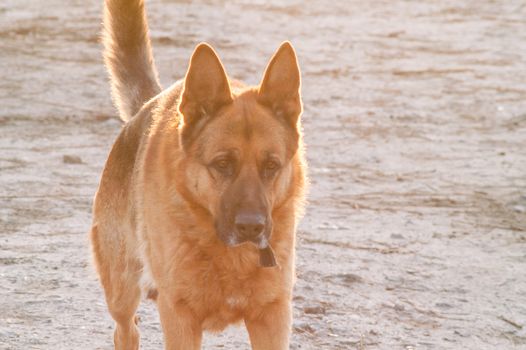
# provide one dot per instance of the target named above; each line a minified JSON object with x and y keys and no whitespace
{"x":128,"y":56}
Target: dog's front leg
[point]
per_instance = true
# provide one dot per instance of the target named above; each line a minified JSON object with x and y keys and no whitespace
{"x":270,"y":330}
{"x":181,"y":329}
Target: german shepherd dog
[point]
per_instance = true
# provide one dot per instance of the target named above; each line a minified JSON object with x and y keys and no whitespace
{"x":201,"y":194}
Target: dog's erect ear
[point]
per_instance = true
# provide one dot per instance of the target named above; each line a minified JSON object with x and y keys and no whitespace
{"x":280,"y":87}
{"x":206,"y":87}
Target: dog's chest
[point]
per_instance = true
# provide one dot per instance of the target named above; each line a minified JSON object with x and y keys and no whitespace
{"x":234,"y":297}
{"x":224,"y":293}
{"x":236,"y":302}
{"x":230,"y":309}
{"x":228,"y":299}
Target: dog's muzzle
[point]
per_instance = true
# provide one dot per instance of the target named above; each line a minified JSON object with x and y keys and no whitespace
{"x":253,"y":228}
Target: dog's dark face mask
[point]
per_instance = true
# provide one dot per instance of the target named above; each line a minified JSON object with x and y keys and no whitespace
{"x":244,"y":213}
{"x":241,"y":145}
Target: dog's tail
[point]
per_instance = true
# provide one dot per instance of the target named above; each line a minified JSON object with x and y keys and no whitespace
{"x":128,"y":56}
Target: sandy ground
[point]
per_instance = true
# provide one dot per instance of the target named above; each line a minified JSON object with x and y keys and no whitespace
{"x":415,"y":120}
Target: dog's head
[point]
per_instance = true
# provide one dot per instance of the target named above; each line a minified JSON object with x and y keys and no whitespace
{"x":239,"y":143}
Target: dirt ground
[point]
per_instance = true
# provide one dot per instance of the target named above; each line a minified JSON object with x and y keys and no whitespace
{"x":415,"y":121}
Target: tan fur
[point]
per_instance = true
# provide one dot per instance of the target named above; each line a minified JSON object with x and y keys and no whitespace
{"x":128,"y":56}
{"x":158,"y":200}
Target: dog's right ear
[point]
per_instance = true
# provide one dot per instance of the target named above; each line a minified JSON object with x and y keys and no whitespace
{"x":206,"y":87}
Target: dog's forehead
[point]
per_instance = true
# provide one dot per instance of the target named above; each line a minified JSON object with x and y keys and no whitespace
{"x":245,"y":125}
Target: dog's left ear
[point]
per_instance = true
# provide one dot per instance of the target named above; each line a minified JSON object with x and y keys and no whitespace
{"x":280,"y":87}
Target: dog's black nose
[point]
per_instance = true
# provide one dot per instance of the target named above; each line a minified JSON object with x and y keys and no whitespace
{"x":250,"y":225}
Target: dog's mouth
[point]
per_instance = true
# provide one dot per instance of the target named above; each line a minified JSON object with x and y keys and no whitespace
{"x":266,"y":254}
{"x":266,"y":257}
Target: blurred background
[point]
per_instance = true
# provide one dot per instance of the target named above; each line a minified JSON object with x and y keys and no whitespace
{"x":415,"y":122}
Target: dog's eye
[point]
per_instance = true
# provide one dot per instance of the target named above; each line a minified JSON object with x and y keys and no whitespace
{"x":270,"y":168}
{"x":224,"y":166}
{"x":271,"y":165}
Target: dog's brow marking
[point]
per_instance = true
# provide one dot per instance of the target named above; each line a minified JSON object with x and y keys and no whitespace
{"x":247,"y":129}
